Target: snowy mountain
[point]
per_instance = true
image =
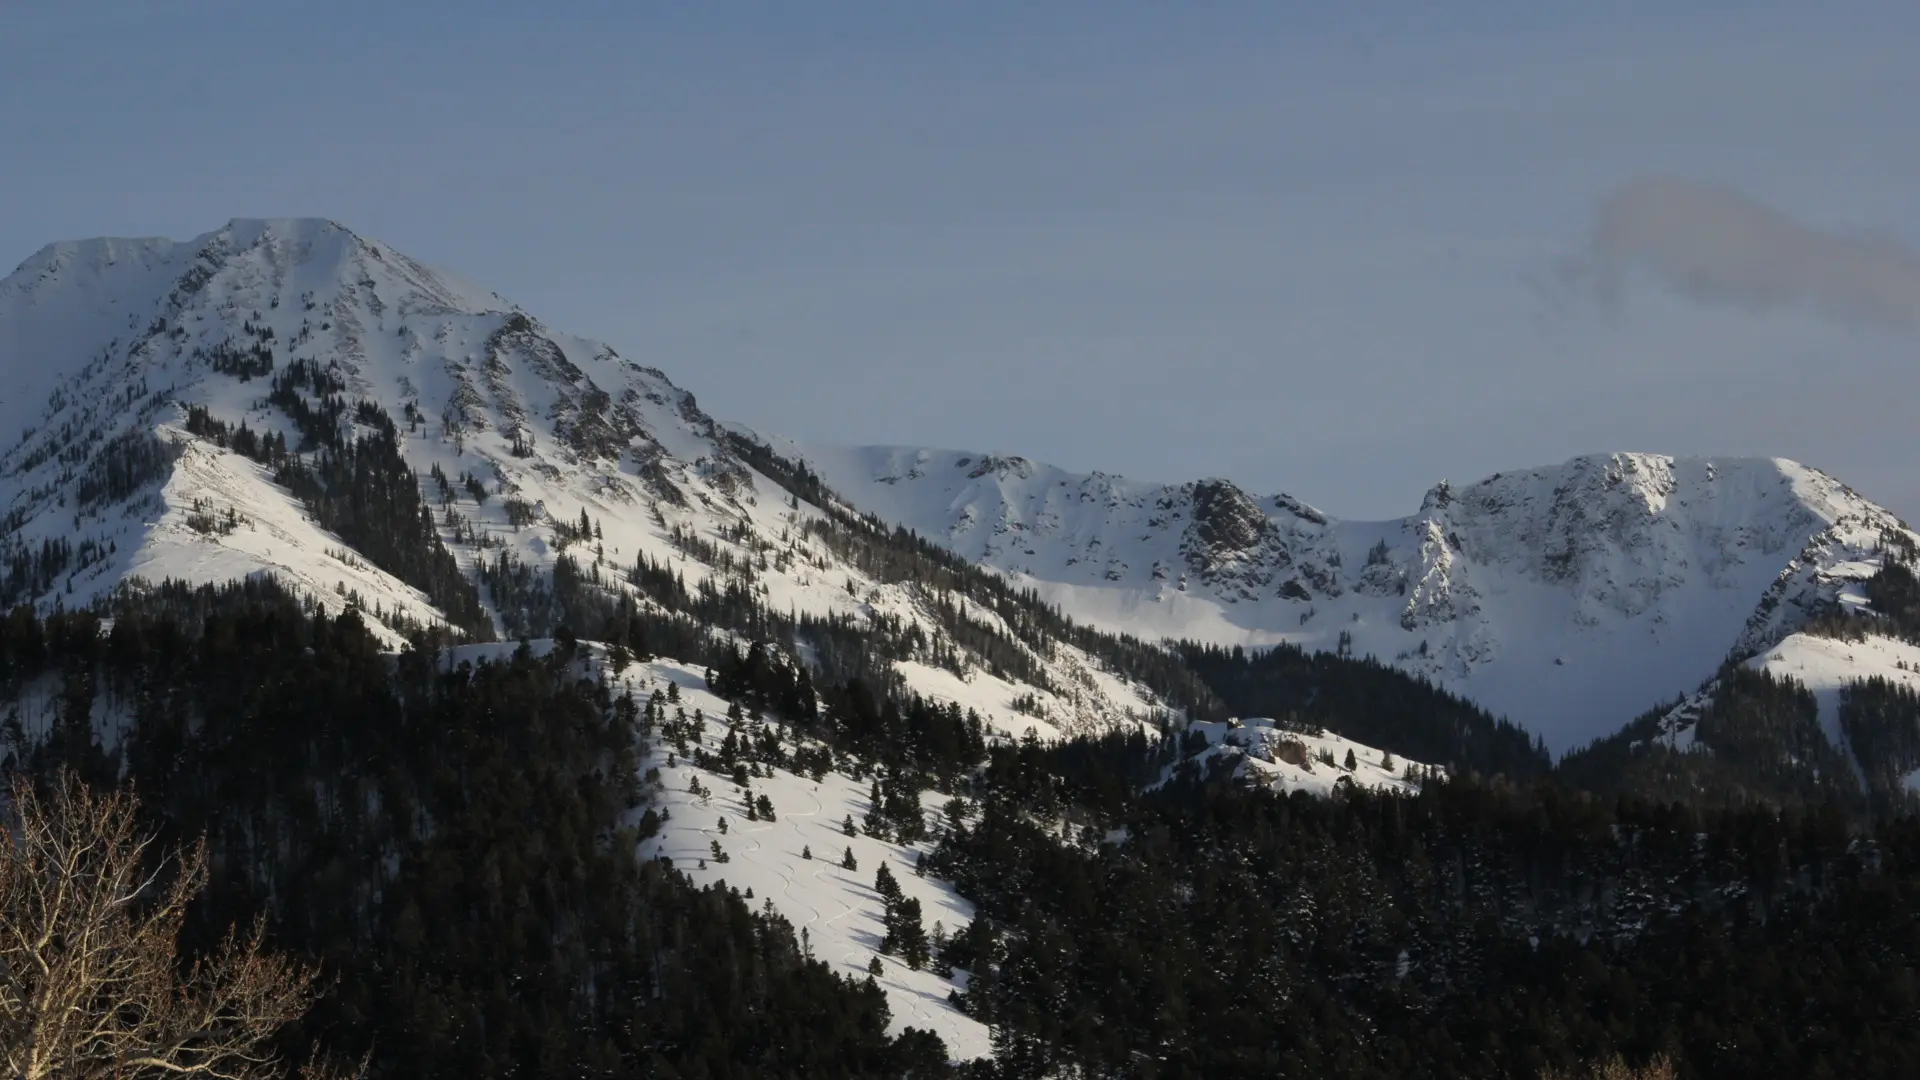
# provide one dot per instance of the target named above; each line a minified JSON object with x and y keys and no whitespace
{"x":177,"y":407}
{"x":1268,"y":755}
{"x":1826,"y":667}
{"x":1571,"y":597}
{"x":808,"y":673}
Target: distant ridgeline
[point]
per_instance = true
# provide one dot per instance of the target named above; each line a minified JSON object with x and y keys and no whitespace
{"x":287,"y":398}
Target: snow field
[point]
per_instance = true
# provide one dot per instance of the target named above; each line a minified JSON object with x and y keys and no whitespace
{"x":837,"y":910}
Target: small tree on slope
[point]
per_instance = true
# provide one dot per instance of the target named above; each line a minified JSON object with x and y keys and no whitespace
{"x":91,"y":985}
{"x":886,"y":885}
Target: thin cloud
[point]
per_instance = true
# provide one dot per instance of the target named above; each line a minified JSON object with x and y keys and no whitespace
{"x":1717,"y":246}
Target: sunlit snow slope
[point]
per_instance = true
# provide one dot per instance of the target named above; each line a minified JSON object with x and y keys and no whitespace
{"x":792,"y":863}
{"x":1265,"y":753}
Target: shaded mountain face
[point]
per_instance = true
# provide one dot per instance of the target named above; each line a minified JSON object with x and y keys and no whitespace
{"x":1569,"y":597}
{"x":254,"y":400}
{"x":1828,"y":714}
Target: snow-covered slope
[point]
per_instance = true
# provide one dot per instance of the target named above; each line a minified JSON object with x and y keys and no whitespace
{"x":109,"y":346}
{"x":1570,"y":598}
{"x":794,"y":862}
{"x":1827,"y":665}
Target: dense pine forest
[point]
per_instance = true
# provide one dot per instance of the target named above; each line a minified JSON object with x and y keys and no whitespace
{"x":456,"y":847}
{"x":1369,"y":702}
{"x":1474,"y":930}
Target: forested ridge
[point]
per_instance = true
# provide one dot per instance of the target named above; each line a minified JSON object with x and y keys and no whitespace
{"x":456,"y":848}
{"x":1369,"y":702}
{"x":469,"y":837}
{"x":1473,"y":930}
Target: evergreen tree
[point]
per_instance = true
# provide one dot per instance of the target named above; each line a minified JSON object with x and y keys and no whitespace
{"x":886,"y":886}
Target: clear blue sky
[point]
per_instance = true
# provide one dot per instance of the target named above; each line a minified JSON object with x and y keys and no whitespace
{"x":1342,"y":250}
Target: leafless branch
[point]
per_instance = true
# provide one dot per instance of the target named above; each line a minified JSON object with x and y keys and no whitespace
{"x":91,"y":981}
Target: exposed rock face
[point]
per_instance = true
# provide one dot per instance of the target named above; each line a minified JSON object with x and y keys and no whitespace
{"x":1229,"y":541}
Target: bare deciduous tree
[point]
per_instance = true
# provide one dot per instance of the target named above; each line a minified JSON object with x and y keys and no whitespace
{"x":91,"y":981}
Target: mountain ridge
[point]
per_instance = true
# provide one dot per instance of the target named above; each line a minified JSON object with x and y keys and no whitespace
{"x":1532,"y":592}
{"x":1664,"y":562}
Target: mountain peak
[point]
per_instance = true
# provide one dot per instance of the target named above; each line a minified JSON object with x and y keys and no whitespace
{"x":287,"y":397}
{"x":248,"y":229}
{"x":118,"y":345}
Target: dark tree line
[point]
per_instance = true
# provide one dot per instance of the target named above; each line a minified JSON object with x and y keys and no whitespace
{"x":1371,"y":703}
{"x":455,"y":845}
{"x":1881,"y":721}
